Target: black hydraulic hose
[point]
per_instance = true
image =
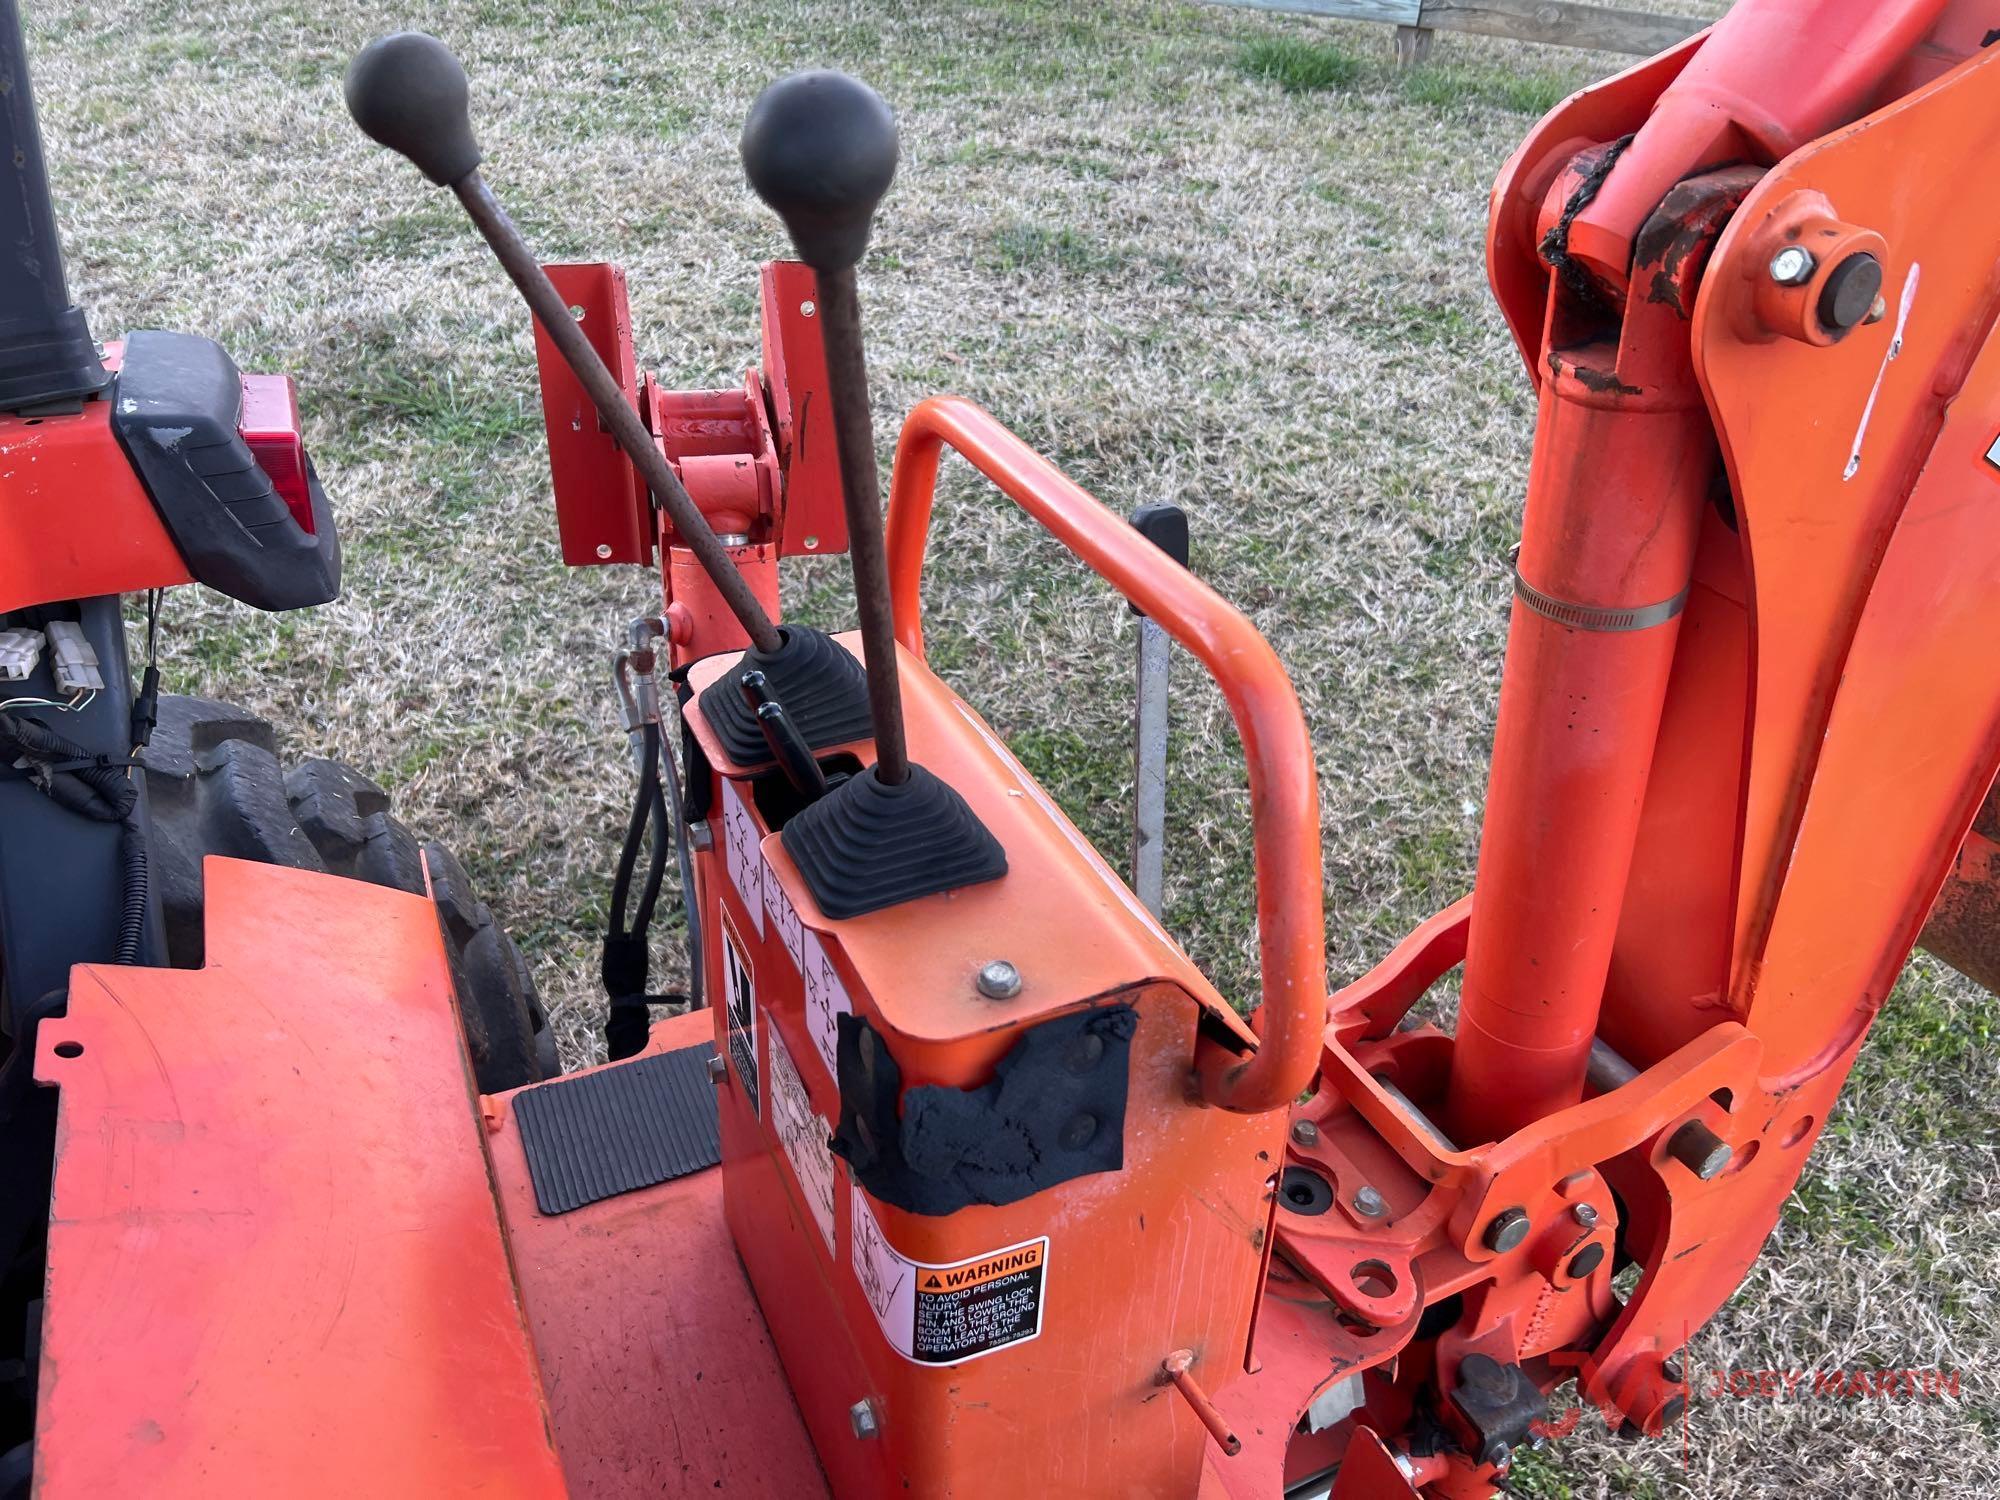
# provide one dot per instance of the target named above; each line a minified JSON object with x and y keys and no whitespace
{"x":677,"y":811}
{"x":635,"y":829}
{"x":626,"y":961}
{"x":658,"y":809}
{"x":662,"y":840}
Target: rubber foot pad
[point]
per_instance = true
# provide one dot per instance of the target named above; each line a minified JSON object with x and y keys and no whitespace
{"x":629,"y":1126}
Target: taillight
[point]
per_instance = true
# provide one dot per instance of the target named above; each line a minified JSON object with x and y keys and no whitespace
{"x":270,"y":428}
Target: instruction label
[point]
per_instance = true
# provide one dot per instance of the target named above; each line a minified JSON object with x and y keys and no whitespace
{"x":778,"y":907}
{"x":826,"y":1001}
{"x":741,"y":854}
{"x":947,"y":1314}
{"x":804,"y":1135}
{"x":740,"y":995}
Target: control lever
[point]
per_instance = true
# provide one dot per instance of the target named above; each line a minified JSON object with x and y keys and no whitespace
{"x":820,"y":149}
{"x":788,"y":747}
{"x":407,"y":92}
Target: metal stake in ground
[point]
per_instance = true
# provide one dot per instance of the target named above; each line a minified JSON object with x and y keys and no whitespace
{"x":409,"y":93}
{"x":820,"y":149}
{"x":1165,"y":526}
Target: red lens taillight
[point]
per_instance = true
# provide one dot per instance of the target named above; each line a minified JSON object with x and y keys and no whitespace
{"x":270,"y":427}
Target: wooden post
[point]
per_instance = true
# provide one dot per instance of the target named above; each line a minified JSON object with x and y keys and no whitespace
{"x":1561,"y":23}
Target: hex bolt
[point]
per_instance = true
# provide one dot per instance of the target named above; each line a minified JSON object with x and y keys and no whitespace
{"x":1508,"y":1229}
{"x":1672,"y":1372}
{"x":1793,"y":266}
{"x":1585,"y":1214}
{"x":1370,"y":1204}
{"x":1699,"y":1149}
{"x":716,"y":1068}
{"x":1305,"y":1133}
{"x":861,"y":1417}
{"x":999,"y":980}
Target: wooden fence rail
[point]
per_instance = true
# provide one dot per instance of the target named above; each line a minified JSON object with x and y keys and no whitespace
{"x":1557,"y":22}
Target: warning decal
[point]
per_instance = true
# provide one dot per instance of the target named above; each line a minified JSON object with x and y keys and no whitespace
{"x":740,"y":995}
{"x":946,"y":1314}
{"x":741,"y":854}
{"x":804,"y":1135}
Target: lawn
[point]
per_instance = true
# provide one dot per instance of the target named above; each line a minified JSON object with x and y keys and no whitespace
{"x":1197,"y":254}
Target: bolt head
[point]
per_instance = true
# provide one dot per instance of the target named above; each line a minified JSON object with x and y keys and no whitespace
{"x":1370,"y":1204}
{"x":1305,"y":1133}
{"x":1509,"y":1228}
{"x":1085,"y":1053}
{"x":1586,"y":1260}
{"x":1585,"y":1214}
{"x":861,"y":1417}
{"x":1793,"y":266}
{"x":1853,"y":287}
{"x":999,"y":980}
{"x":1078,"y":1132}
{"x":716,"y":1067}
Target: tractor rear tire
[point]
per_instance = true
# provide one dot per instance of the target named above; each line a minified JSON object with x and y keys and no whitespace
{"x":216,"y":786}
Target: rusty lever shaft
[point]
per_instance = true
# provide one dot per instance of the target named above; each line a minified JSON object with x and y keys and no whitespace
{"x":1174,"y":1371}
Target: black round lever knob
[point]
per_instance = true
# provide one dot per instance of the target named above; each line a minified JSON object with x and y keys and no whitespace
{"x":820,"y":149}
{"x":408,"y":92}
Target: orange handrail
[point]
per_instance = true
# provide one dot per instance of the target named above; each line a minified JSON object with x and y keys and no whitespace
{"x":1284,"y":787}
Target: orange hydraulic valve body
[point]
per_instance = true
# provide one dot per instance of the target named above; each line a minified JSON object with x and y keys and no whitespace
{"x":1026,"y":1208}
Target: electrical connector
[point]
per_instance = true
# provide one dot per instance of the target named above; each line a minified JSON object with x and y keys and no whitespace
{"x":75,"y":662}
{"x":20,"y":653}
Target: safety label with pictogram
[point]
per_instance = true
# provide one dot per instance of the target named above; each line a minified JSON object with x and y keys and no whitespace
{"x":739,"y":994}
{"x":803,"y":1134}
{"x":778,"y":906}
{"x":827,"y":999}
{"x":742,"y":855}
{"x":946,"y":1314}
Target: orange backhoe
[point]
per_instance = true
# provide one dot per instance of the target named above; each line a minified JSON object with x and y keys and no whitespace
{"x":955,"y":1176}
